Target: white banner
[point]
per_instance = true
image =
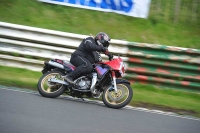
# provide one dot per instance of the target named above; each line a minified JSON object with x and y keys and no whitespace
{"x":135,"y":8}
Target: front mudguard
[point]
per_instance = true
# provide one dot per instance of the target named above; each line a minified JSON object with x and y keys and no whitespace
{"x":118,"y":81}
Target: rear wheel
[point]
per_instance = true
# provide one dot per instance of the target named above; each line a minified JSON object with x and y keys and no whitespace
{"x":119,"y":99}
{"x":50,"y":89}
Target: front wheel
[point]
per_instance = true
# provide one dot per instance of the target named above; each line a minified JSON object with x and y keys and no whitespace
{"x":50,"y":89}
{"x":119,"y":99}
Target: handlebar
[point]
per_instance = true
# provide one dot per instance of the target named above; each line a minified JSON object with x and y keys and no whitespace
{"x":110,"y":57}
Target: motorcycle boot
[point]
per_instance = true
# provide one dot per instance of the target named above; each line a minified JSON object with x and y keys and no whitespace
{"x":69,"y":79}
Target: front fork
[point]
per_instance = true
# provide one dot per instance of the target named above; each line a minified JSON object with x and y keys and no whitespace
{"x":114,"y":81}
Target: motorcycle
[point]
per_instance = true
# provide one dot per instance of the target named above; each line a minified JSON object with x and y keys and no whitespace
{"x":106,"y":78}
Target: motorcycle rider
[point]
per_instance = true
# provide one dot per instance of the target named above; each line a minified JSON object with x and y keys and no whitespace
{"x":87,"y":53}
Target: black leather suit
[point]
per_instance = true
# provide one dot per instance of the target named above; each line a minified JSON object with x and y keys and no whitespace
{"x":84,"y":56}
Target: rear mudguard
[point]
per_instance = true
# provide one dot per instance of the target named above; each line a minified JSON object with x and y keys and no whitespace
{"x":50,"y":68}
{"x":118,"y":81}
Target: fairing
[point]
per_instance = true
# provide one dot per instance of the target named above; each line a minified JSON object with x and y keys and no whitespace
{"x":115,"y":64}
{"x":100,"y":70}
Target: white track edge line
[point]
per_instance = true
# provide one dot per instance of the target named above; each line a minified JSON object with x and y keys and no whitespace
{"x":126,"y":107}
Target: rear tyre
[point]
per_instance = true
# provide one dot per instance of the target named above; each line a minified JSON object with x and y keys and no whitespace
{"x":119,"y":99}
{"x":50,"y":89}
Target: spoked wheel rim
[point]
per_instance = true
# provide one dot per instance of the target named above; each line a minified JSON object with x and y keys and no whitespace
{"x":50,"y":87}
{"x":119,"y":97}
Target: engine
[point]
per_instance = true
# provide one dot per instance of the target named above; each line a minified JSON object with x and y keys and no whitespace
{"x":83,"y":83}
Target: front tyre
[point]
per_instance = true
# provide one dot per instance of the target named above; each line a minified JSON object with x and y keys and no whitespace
{"x":119,"y":99}
{"x":50,"y":89}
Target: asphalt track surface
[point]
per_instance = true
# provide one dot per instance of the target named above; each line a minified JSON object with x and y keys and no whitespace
{"x":28,"y":112}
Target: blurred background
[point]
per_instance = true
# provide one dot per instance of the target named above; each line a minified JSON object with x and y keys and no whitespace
{"x":169,"y":23}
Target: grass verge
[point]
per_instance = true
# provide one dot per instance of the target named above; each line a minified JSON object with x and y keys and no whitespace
{"x":185,"y":103}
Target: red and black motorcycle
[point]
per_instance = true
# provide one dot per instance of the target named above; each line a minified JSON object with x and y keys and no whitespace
{"x":106,"y":78}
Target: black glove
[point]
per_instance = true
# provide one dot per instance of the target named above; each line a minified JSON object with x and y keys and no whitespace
{"x":110,"y":56}
{"x":105,"y":50}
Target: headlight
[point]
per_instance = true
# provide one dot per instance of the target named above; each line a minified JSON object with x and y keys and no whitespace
{"x":122,"y":69}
